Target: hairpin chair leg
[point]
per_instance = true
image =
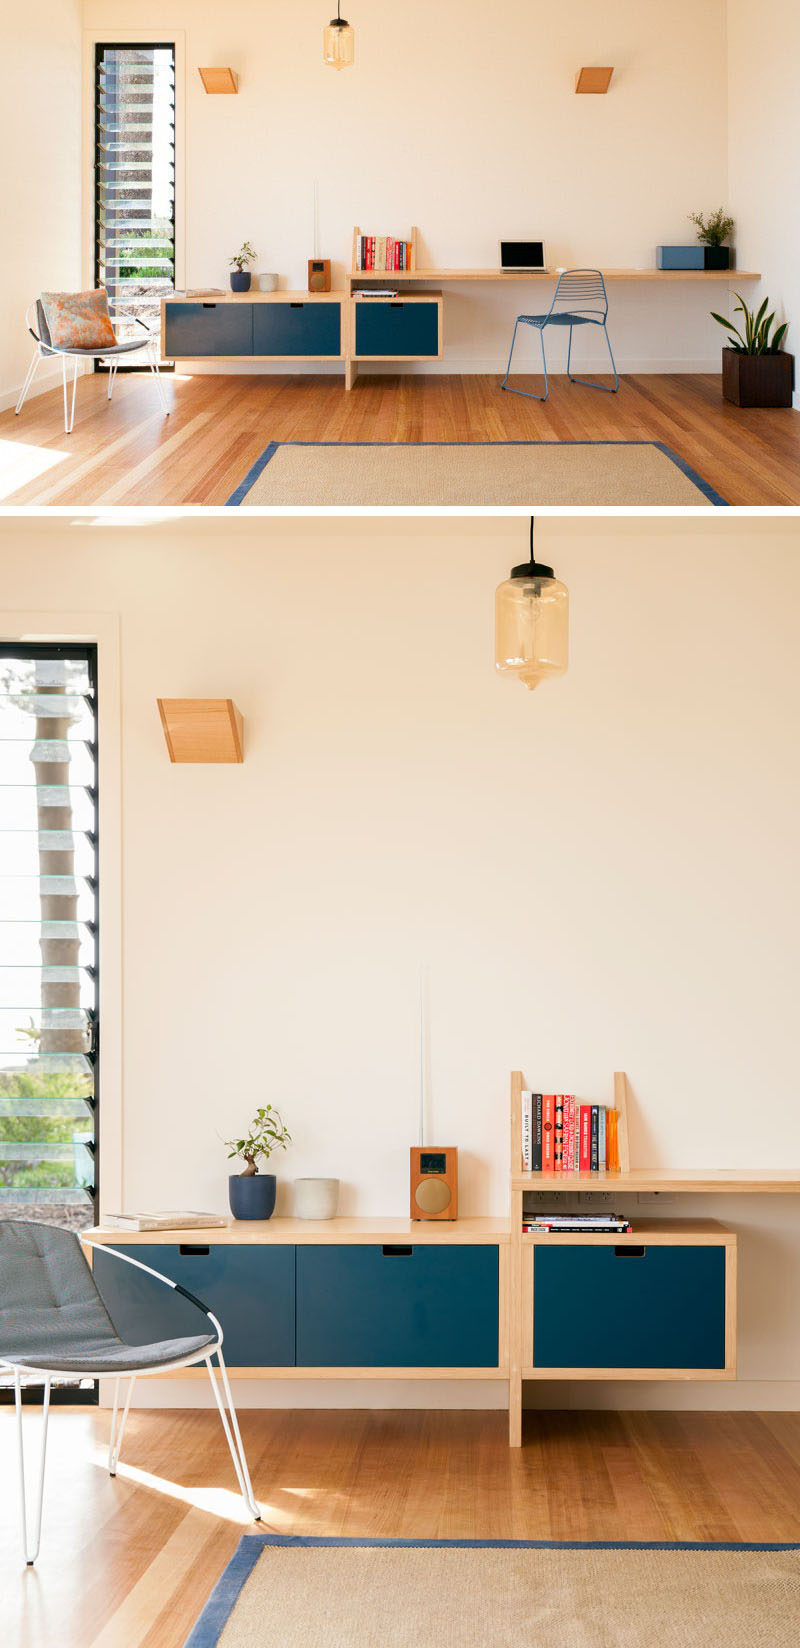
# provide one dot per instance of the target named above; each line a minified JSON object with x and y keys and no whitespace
{"x":112,"y":372}
{"x":69,"y":413}
{"x":529,"y":396}
{"x":589,"y":382}
{"x":157,"y":376}
{"x":29,"y":377}
{"x":31,"y":1546}
{"x":117,"y":1432}
{"x":233,"y":1435}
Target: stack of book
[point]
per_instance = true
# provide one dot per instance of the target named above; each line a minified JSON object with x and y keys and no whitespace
{"x":577,"y":1223}
{"x":382,"y":252}
{"x":561,"y":1135}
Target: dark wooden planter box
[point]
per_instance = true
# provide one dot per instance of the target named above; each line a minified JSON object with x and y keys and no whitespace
{"x":757,"y":380}
{"x":716,"y":257}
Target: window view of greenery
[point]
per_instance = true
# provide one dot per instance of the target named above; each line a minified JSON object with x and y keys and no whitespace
{"x":48,"y":897}
{"x":135,"y":178}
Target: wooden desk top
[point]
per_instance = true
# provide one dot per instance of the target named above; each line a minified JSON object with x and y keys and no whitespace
{"x":398,"y":1232}
{"x":504,"y":276}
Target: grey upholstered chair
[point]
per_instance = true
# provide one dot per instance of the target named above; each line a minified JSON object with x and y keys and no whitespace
{"x":53,"y":1321}
{"x":45,"y":349}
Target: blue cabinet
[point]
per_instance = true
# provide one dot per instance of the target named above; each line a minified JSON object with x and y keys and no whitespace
{"x":418,"y":1306}
{"x":391,"y":330}
{"x":193,"y":330}
{"x":249,"y":1288}
{"x":627,"y":1307}
{"x":297,"y":328}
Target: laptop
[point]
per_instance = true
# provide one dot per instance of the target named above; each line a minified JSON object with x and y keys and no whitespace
{"x":522,"y":254}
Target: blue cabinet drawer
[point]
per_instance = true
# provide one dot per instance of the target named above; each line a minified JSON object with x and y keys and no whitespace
{"x":196,"y":329}
{"x":249,"y":1289}
{"x":391,"y":330}
{"x":297,"y":329}
{"x":423,"y":1306}
{"x":627,"y":1307}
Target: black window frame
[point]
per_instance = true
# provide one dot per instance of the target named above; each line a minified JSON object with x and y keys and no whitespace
{"x":100,"y":46}
{"x":86,"y":651}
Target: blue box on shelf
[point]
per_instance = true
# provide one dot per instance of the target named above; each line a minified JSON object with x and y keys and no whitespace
{"x":680,"y":257}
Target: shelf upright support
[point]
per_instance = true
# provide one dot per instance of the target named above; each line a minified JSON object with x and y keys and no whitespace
{"x":515,"y":1253}
{"x":621,"y":1107}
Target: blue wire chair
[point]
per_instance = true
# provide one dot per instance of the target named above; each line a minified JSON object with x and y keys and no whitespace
{"x":580,"y":299}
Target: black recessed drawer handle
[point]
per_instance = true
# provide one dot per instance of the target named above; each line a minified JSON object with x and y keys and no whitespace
{"x":188,"y":1251}
{"x":209,"y":306}
{"x":630,"y":1252}
{"x":297,"y":306}
{"x":396,"y":306}
{"x":396,"y":1252}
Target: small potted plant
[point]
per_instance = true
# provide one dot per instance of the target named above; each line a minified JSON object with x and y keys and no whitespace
{"x":240,"y":274}
{"x":712,"y":232}
{"x":756,"y":371}
{"x":252,"y":1194}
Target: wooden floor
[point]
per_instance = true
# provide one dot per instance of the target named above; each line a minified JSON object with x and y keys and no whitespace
{"x":130,"y":454}
{"x":129,"y":1563}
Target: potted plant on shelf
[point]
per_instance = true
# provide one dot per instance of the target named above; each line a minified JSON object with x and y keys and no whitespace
{"x":712,"y":232}
{"x":756,"y":371}
{"x":252,"y":1194}
{"x":240,"y":274}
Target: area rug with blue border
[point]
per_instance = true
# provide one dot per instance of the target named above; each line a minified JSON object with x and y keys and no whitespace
{"x":473,"y":474}
{"x":284,"y":1592}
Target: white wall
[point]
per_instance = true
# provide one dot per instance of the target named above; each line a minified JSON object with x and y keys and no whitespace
{"x":40,"y":140}
{"x":467,"y":124}
{"x":763,"y":59}
{"x":600,"y":875}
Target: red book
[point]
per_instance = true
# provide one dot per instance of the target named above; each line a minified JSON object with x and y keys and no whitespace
{"x":558,"y":1134}
{"x":569,"y":1133}
{"x":586,"y":1138}
{"x":548,"y":1132}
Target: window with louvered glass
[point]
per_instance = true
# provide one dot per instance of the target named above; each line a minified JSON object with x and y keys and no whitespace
{"x":49,"y":1028}
{"x":135,"y":178}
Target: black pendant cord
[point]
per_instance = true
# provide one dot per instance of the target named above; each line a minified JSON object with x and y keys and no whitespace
{"x":532,"y":568}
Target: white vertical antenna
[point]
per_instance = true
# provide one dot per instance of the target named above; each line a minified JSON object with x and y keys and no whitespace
{"x":422,"y":1052}
{"x":316,"y":219}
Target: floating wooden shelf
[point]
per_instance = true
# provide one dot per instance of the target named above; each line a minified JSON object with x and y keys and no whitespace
{"x":593,"y":80}
{"x":217,"y":81}
{"x":202,"y":729}
{"x":759,"y":1181}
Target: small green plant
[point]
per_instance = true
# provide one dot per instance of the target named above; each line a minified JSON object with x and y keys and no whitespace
{"x":244,"y":256}
{"x":267,"y":1133}
{"x":713,"y":230}
{"x":757,"y":330}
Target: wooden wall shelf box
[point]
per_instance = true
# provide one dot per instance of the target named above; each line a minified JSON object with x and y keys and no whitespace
{"x":202,"y":729}
{"x":219,"y":81}
{"x":593,"y":80}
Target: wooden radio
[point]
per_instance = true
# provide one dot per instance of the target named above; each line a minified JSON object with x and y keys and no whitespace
{"x":319,"y":274}
{"x":434,"y":1182}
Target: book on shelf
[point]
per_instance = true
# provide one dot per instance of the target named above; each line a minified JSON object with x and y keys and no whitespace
{"x":576,"y":1224}
{"x":163,"y":1221}
{"x":382,"y":253}
{"x":562,"y":1135}
{"x":375,"y":292}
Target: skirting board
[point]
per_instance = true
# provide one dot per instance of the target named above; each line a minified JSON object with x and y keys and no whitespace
{"x":452,"y":365}
{"x":49,"y":376}
{"x":744,"y":1395}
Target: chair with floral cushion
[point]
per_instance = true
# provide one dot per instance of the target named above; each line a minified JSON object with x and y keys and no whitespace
{"x":78,"y":326}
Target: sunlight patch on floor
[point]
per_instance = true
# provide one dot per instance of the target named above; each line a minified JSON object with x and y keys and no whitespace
{"x":225,"y":1503}
{"x":20,"y":464}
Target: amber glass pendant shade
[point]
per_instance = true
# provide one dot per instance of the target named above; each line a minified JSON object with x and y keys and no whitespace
{"x":531,"y":624}
{"x":338,"y":44}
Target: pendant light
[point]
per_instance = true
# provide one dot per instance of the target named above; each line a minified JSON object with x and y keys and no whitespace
{"x":531,"y":623}
{"x":338,"y":42}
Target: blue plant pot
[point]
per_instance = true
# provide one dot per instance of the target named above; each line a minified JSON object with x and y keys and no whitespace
{"x":252,"y":1197}
{"x":240,"y":280}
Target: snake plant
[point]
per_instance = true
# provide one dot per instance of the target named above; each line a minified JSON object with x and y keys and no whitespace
{"x":757,"y":329}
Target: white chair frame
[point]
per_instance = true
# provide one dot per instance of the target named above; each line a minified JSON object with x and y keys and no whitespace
{"x":48,"y":351}
{"x":31,"y":1534}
